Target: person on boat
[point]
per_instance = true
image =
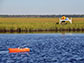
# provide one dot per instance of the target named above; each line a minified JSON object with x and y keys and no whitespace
{"x":63,"y":17}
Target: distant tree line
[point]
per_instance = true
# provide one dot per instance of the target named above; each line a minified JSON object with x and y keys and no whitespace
{"x":43,"y":16}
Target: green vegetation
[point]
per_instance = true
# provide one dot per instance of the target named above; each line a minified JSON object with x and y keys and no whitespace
{"x":38,"y":24}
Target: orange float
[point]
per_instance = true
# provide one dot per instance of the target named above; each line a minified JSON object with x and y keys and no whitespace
{"x":17,"y":50}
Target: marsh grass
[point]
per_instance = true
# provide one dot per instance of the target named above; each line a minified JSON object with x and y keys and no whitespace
{"x":38,"y":24}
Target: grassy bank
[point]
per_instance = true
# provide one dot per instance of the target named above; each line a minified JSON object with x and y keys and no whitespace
{"x":38,"y":25}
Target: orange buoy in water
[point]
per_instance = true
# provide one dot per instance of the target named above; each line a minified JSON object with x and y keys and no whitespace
{"x":17,"y":50}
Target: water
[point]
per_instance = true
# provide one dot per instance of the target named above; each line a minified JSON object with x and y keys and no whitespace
{"x":45,"y":48}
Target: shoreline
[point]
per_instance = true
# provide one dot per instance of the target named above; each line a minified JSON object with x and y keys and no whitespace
{"x":41,"y":30}
{"x":30,"y":25}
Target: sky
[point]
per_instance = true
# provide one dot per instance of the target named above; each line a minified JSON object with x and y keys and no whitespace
{"x":41,"y":7}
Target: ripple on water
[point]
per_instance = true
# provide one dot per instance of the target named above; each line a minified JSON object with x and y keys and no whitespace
{"x":45,"y":48}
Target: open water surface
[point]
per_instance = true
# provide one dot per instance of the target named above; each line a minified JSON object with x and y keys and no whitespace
{"x":45,"y":48}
